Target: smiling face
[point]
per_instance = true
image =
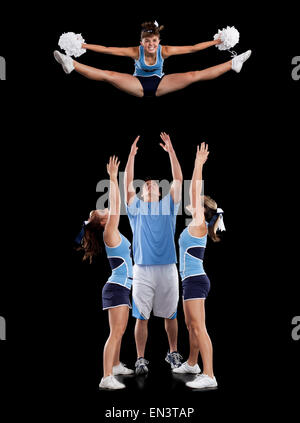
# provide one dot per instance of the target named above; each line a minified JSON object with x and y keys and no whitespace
{"x":150,"y":191}
{"x":150,"y":44}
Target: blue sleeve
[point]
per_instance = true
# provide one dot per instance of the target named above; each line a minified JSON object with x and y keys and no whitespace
{"x":134,"y":207}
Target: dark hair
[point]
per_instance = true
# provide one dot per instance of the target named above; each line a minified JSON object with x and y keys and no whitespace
{"x":92,"y":240}
{"x":149,"y":28}
{"x":210,"y":210}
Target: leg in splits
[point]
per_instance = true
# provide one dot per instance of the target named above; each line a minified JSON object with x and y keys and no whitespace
{"x":178,"y":81}
{"x":123,"y":81}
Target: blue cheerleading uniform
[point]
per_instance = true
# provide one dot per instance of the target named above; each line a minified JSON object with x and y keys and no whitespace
{"x":149,"y":76}
{"x":195,"y":282}
{"x":116,"y":291}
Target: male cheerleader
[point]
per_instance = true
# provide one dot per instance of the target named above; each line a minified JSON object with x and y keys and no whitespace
{"x":155,"y":276}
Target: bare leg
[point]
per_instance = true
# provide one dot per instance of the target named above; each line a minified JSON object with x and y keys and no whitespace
{"x":141,"y":335}
{"x":117,"y":354}
{"x":118,"y":318}
{"x":195,"y":318}
{"x":171,"y":326}
{"x":194,"y":351}
{"x":178,"y":81}
{"x":123,"y":81}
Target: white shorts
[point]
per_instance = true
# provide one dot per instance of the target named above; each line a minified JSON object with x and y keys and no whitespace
{"x":155,"y":288}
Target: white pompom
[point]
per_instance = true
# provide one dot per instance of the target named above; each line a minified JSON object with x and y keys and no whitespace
{"x":229,"y":36}
{"x":71,"y":43}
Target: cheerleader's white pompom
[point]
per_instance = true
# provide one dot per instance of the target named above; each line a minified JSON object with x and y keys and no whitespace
{"x":71,"y":43}
{"x":229,"y":36}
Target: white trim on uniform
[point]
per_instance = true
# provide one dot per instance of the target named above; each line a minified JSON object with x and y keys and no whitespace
{"x":106,"y":308}
{"x":186,"y":252}
{"x":197,"y":274}
{"x":189,"y":299}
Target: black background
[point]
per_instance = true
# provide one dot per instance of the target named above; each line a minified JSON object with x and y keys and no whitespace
{"x":58,"y":133}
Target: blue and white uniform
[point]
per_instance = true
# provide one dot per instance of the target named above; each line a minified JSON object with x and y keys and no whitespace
{"x":149,"y":75}
{"x":155,"y":276}
{"x":195,"y":282}
{"x":117,"y":288}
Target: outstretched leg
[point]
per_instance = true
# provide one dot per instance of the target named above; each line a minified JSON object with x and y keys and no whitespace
{"x":178,"y":81}
{"x":123,"y":81}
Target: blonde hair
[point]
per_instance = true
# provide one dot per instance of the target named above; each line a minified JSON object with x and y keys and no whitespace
{"x":210,"y":210}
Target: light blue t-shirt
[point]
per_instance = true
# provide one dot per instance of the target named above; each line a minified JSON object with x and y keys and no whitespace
{"x":153,"y":227}
{"x":141,"y":69}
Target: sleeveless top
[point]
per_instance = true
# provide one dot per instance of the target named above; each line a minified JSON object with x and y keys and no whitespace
{"x":141,"y":69}
{"x":120,"y":261}
{"x":191,"y":251}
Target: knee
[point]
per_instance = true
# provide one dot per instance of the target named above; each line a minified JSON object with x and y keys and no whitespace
{"x":110,"y":75}
{"x":192,"y":75}
{"x":195,"y":328}
{"x":118,"y":332}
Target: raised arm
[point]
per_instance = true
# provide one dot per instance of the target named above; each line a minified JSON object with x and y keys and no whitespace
{"x":129,"y":174}
{"x":132,"y":52}
{"x":196,"y":194}
{"x":111,"y":233}
{"x":176,"y":169}
{"x":168,"y":51}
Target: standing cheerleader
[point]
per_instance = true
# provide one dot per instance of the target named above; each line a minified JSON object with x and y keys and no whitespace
{"x":149,"y":79}
{"x":115,"y":293}
{"x":195,"y":283}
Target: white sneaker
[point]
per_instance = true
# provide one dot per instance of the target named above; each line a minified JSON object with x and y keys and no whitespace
{"x":186,"y":368}
{"x":110,"y":382}
{"x":65,"y":61}
{"x":121,"y":369}
{"x":238,"y":61}
{"x":203,"y":381}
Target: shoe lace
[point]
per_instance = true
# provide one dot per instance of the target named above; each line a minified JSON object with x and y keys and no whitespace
{"x":141,"y":362}
{"x":233,"y":53}
{"x":176,"y":357}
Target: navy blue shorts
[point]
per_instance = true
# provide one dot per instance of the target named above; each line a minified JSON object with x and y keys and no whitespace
{"x":150,"y":84}
{"x":195,"y":287}
{"x":114,"y":295}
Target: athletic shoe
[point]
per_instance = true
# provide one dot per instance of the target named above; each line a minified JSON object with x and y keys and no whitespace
{"x":203,"y":381}
{"x":65,"y":61}
{"x":186,"y":368}
{"x":141,"y":366}
{"x":237,"y":61}
{"x":174,"y":358}
{"x":121,"y":369}
{"x":110,"y":382}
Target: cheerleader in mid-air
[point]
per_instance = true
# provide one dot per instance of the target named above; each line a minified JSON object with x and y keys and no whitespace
{"x":149,"y":79}
{"x":102,"y":225}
